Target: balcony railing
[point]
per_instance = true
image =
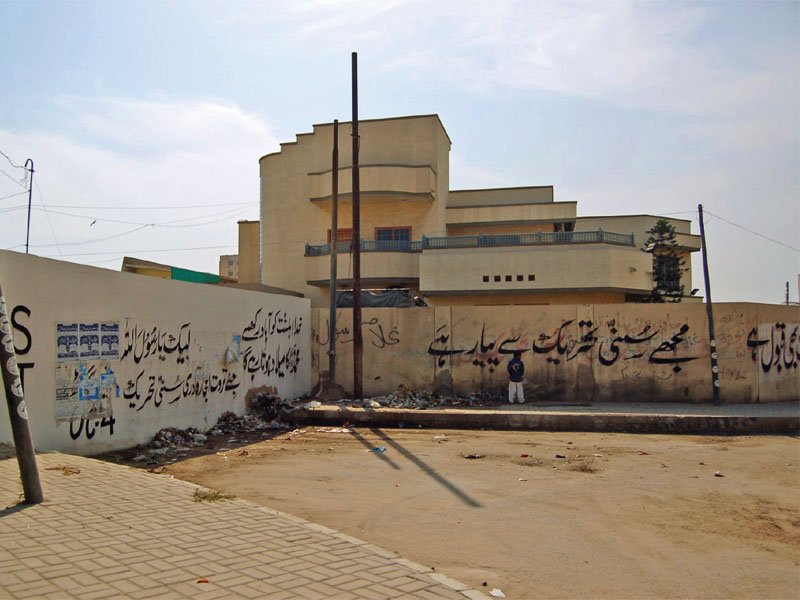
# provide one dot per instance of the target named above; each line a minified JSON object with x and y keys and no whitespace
{"x":479,"y":241}
{"x":366,"y":246}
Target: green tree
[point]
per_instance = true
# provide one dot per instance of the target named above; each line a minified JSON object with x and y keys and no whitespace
{"x":668,"y":265}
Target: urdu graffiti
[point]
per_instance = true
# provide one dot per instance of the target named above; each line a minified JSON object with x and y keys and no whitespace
{"x":779,"y":349}
{"x":156,"y":383}
{"x":569,"y":340}
{"x":378,"y":336}
{"x":142,"y":342}
{"x":268,"y":346}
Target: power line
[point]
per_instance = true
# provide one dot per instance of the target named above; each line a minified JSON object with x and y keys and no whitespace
{"x":49,"y":223}
{"x":761,"y":235}
{"x":11,"y":162}
{"x":13,"y":195}
{"x":19,"y":183}
{"x":162,"y":224}
{"x":150,"y":207}
{"x":123,"y":252}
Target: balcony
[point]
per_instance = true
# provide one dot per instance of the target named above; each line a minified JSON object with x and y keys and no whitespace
{"x":476,"y":241}
{"x":529,"y":239}
{"x":376,"y":182}
{"x":366,"y":246}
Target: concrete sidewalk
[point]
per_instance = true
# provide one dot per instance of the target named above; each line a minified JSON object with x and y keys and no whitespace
{"x":645,"y":417}
{"x":109,"y":531}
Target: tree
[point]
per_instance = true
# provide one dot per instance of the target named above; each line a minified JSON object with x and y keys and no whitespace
{"x":668,"y":265}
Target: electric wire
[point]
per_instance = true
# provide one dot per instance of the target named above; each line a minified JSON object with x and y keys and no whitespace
{"x":17,"y":181}
{"x":176,"y":206}
{"x":11,"y":162}
{"x":13,"y":195}
{"x":126,"y":252}
{"x":761,"y":235}
{"x":52,"y":231}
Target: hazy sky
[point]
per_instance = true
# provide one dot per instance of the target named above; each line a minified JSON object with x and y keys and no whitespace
{"x":145,"y":120}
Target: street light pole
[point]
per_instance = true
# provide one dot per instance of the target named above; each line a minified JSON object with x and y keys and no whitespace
{"x":30,"y":197}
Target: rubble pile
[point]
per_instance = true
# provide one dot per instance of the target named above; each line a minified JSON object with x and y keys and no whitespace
{"x":177,"y":439}
{"x":269,"y":406}
{"x":406,"y":397}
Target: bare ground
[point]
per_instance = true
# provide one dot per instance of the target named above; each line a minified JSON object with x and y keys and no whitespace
{"x":620,"y":516}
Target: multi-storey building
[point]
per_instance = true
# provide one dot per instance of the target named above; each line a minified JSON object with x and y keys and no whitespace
{"x":488,"y":246}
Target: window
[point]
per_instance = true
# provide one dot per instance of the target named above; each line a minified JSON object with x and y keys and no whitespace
{"x":342,"y":235}
{"x":667,"y":272}
{"x":386,"y":234}
{"x":486,"y":279}
{"x":519,"y":277}
{"x":508,"y":277}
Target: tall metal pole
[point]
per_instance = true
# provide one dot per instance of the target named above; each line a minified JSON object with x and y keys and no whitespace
{"x":712,"y":341}
{"x":18,"y":415}
{"x":30,"y":197}
{"x":357,"y":339}
{"x":334,"y":242}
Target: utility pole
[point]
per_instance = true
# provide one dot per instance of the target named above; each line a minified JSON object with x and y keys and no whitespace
{"x":334,"y":243}
{"x":357,"y":339}
{"x":787,"y":293}
{"x":18,"y":415}
{"x":712,"y":341}
{"x":30,"y":197}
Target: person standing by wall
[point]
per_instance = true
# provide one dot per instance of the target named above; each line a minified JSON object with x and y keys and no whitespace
{"x":516,"y":371}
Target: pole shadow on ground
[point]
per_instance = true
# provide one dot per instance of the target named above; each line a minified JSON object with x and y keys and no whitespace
{"x":424,"y":467}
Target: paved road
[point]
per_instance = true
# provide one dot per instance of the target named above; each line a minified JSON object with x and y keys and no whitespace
{"x":109,"y":531}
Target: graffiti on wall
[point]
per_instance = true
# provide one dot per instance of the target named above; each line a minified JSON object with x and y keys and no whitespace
{"x":568,"y":341}
{"x":143,"y":342}
{"x":151,"y":350}
{"x":378,"y":336}
{"x":271,"y":344}
{"x":779,"y":349}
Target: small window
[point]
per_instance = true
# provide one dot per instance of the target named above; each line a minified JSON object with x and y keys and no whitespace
{"x":342,"y":235}
{"x":497,"y":277}
{"x":519,"y":277}
{"x":508,"y":277}
{"x":486,"y":279}
{"x":531,"y":277}
{"x":386,"y":234}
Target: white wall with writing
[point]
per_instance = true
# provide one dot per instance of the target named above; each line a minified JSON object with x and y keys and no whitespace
{"x":108,"y":358}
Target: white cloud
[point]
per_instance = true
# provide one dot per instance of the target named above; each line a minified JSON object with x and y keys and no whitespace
{"x":135,"y":153}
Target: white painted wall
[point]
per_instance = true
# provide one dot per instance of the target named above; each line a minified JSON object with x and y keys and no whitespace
{"x":170,"y":366}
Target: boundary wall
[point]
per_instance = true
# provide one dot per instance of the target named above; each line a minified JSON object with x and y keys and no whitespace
{"x":573,"y":353}
{"x":108,"y":358}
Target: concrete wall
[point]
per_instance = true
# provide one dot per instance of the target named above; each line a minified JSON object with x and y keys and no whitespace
{"x":110,"y":358}
{"x":603,"y":352}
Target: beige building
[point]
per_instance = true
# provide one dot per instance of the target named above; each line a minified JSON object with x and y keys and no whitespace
{"x":229,"y":266}
{"x":455,"y":247}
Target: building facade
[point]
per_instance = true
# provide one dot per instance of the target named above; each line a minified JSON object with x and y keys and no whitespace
{"x":455,"y":247}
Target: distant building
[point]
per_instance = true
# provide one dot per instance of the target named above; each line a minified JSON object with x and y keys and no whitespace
{"x":469,"y":247}
{"x":229,"y":266}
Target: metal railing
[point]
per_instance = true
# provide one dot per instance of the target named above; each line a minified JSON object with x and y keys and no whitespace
{"x":366,"y":246}
{"x":479,"y":241}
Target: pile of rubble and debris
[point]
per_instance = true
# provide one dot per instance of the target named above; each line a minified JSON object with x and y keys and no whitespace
{"x":263,"y":420}
{"x":408,"y":398}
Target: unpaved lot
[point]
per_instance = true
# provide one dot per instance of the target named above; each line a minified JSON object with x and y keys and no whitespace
{"x":620,"y":516}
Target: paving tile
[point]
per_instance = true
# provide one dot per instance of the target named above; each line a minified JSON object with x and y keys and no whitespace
{"x":90,"y":540}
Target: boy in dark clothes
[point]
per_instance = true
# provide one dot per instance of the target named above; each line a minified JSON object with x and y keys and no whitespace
{"x":516,"y":370}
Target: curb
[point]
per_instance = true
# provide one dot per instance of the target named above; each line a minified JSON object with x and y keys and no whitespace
{"x":548,"y":421}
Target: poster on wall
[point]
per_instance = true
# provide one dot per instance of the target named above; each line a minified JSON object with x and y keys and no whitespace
{"x":87,"y":355}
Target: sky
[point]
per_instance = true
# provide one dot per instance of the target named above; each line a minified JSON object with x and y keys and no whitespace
{"x":145,"y":120}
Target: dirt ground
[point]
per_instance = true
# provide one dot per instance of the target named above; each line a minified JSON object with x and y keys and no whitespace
{"x":619,"y":516}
